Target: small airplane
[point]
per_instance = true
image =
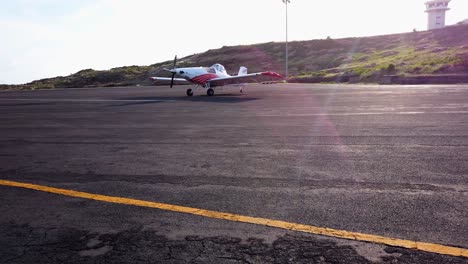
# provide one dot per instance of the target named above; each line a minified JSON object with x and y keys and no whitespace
{"x":214,"y":76}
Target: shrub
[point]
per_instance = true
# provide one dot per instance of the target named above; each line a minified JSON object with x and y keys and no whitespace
{"x":391,"y":69}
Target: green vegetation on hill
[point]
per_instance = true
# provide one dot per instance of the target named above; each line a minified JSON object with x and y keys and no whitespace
{"x":367,"y":59}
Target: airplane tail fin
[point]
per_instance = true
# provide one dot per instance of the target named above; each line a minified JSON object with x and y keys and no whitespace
{"x":242,"y":71}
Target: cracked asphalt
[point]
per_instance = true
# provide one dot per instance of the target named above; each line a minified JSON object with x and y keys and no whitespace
{"x":382,"y":160}
{"x":138,"y":245}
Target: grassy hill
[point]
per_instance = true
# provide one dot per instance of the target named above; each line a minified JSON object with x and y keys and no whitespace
{"x":367,"y":59}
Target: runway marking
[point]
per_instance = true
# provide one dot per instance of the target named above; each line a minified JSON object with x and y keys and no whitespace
{"x":415,"y":245}
{"x":87,"y":100}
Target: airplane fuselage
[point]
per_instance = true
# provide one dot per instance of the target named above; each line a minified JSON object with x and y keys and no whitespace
{"x":200,"y":75}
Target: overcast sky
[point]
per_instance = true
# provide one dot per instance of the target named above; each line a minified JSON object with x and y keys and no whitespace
{"x":47,"y":38}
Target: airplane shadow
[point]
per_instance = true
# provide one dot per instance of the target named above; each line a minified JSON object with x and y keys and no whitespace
{"x":219,"y":98}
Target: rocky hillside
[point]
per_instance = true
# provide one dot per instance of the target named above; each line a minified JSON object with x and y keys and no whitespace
{"x":366,"y":59}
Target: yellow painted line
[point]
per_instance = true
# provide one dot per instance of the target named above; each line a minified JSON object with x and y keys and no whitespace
{"x":422,"y":246}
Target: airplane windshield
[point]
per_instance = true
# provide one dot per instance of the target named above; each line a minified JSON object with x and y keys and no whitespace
{"x":218,"y":67}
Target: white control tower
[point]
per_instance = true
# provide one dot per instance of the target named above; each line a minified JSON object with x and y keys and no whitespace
{"x":435,"y":10}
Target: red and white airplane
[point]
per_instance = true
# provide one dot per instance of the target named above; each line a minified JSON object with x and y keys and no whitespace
{"x":214,"y":76}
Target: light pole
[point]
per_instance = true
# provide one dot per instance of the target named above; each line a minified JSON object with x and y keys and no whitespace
{"x":286,"y":2}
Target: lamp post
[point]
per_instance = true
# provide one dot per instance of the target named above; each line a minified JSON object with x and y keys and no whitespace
{"x":286,"y":2}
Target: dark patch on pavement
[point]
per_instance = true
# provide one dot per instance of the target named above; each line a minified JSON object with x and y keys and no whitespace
{"x":24,"y":244}
{"x":190,"y":181}
{"x":28,"y":104}
{"x":219,"y":98}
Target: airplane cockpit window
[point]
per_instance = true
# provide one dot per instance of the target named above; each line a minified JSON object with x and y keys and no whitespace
{"x":218,"y":67}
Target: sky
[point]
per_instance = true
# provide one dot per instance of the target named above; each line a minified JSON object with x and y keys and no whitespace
{"x":48,"y":38}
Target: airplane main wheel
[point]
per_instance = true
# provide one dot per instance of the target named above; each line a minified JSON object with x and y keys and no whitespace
{"x":189,"y":92}
{"x":210,"y":92}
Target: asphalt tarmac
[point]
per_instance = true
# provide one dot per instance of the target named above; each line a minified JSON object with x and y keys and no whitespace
{"x":390,"y":161}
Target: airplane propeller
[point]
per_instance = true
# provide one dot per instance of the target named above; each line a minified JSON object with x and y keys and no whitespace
{"x":173,"y":71}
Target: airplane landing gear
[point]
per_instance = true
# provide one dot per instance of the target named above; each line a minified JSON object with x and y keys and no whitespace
{"x":210,"y":92}
{"x":189,"y":92}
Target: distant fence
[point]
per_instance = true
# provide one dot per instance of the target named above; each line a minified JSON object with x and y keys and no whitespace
{"x":338,"y":79}
{"x":388,"y":79}
{"x":425,"y":79}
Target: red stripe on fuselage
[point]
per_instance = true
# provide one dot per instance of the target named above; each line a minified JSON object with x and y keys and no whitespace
{"x":202,"y":79}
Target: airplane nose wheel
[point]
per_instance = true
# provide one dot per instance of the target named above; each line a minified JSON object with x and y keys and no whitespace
{"x":210,"y":92}
{"x":189,"y":92}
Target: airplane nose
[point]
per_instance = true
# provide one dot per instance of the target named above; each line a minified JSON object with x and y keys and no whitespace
{"x":171,"y":71}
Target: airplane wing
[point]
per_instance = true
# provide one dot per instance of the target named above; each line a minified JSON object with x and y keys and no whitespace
{"x":246,"y":78}
{"x":168,"y":80}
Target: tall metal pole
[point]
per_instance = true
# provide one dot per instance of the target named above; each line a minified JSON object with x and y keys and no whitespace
{"x":287,"y":71}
